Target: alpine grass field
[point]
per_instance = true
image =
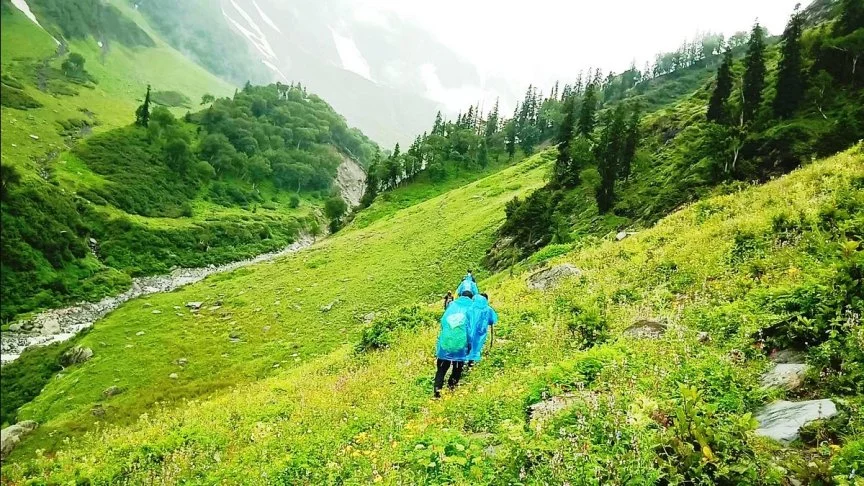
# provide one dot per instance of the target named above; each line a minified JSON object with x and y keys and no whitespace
{"x":728,"y":266}
{"x":661,"y":247}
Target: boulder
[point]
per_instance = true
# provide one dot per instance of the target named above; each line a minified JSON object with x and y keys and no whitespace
{"x":621,"y":235}
{"x":173,"y":376}
{"x":182,"y":361}
{"x":782,"y":420}
{"x":76,"y":355}
{"x":12,"y":435}
{"x":549,"y":277}
{"x":98,"y":410}
{"x":194,"y":305}
{"x":788,"y":356}
{"x":704,"y":337}
{"x":111,"y":391}
{"x":156,"y":311}
{"x":541,"y":412}
{"x":784,"y":375}
{"x":328,"y":307}
{"x":646,"y":329}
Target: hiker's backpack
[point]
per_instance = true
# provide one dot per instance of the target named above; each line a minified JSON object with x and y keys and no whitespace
{"x":454,"y":329}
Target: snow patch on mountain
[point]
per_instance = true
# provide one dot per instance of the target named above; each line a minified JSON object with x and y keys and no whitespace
{"x":25,"y":9}
{"x":265,"y":18}
{"x":350,"y":56}
{"x":257,"y":38}
{"x":275,"y":69}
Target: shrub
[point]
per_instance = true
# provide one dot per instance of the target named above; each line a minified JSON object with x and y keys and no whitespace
{"x":703,"y":447}
{"x":382,"y":332}
{"x":586,"y":322}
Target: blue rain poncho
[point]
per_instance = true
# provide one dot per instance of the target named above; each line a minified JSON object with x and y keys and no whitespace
{"x":454,"y":340}
{"x":484,"y":316}
{"x":468,"y":283}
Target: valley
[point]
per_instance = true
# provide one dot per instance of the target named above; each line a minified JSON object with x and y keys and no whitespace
{"x":209,"y":276}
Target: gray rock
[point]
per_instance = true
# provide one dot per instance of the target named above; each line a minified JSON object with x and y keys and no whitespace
{"x":12,"y":435}
{"x":369,"y":318}
{"x":785,"y":375}
{"x":788,"y":356}
{"x":194,"y":305}
{"x":156,"y":311}
{"x":111,"y":391}
{"x":173,"y":376}
{"x":328,"y":307}
{"x":541,"y":412}
{"x":549,"y":277}
{"x":15,"y":327}
{"x":98,"y":410}
{"x":782,"y":420}
{"x":182,"y":361}
{"x":139,"y":333}
{"x":646,"y":328}
{"x":621,"y":235}
{"x":704,"y":337}
{"x":76,"y":355}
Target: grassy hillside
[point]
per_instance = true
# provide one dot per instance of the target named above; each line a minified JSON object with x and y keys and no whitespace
{"x":257,"y":322}
{"x":728,"y":266}
{"x":152,"y":198}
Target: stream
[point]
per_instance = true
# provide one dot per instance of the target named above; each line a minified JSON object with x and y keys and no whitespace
{"x":57,"y":325}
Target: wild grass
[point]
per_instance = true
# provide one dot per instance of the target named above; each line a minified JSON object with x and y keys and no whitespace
{"x":340,"y":417}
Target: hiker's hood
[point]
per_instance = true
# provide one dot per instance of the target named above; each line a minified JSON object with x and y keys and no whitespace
{"x":480,"y":301}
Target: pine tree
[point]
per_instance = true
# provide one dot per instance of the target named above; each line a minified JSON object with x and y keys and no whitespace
{"x":631,"y":142}
{"x":566,"y":174}
{"x":722,"y":90}
{"x":851,"y":17}
{"x":588,"y":111}
{"x":372,"y":182}
{"x":609,"y":154}
{"x":492,"y":122}
{"x":790,"y":74}
{"x":510,"y":143}
{"x":754,"y":73}
{"x":438,"y":127}
{"x":142,"y":114}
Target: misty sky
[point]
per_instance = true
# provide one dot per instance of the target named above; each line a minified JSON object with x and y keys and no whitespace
{"x":526,"y":41}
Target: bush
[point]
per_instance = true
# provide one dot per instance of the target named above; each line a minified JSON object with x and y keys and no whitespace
{"x":382,"y":332}
{"x":586,"y":322}
{"x":16,"y":98}
{"x":703,"y":447}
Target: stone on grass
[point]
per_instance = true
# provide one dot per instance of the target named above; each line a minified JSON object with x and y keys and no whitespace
{"x":182,"y":361}
{"x":12,"y":435}
{"x":194,"y":305}
{"x":328,"y":307}
{"x":156,"y":311}
{"x":541,"y":412}
{"x":76,"y":355}
{"x":782,"y":420}
{"x":704,"y":337}
{"x":646,"y":328}
{"x":621,"y":235}
{"x":788,"y":356}
{"x":788,"y":376}
{"x":111,"y":391}
{"x":549,"y":277}
{"x":173,"y":376}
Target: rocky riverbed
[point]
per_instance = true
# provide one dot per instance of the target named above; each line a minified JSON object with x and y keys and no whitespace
{"x":58,"y":325}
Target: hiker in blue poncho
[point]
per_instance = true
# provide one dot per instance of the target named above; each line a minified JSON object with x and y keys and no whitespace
{"x":469,"y":283}
{"x":484,"y":319}
{"x":454,"y":341}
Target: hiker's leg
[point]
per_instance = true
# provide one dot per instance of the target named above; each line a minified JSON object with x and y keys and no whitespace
{"x":440,"y":370}
{"x":458,"y":366}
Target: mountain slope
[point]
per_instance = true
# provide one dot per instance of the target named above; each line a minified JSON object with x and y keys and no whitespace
{"x":257,"y":322}
{"x":723,"y":266}
{"x":137,"y":201}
